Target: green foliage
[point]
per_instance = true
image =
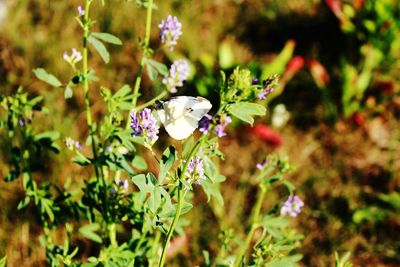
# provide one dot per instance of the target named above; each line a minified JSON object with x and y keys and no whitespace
{"x":342,"y":261}
{"x":42,"y":74}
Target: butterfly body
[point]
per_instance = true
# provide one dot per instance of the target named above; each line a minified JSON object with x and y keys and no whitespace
{"x":180,"y":115}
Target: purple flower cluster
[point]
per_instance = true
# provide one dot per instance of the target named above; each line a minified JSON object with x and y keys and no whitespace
{"x":292,"y":206}
{"x":144,"y":124}
{"x":178,"y":73}
{"x":195,"y":170}
{"x":170,"y":30}
{"x":220,"y":124}
{"x":71,"y":144}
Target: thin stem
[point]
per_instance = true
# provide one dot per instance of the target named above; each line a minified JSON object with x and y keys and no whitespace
{"x":152,"y":101}
{"x":254,"y":224}
{"x":86,"y":82}
{"x":172,"y":228}
{"x":180,"y":202}
{"x":146,"y":45}
{"x":86,"y":28}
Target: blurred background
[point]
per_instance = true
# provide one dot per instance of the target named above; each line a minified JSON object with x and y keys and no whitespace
{"x":335,"y":112}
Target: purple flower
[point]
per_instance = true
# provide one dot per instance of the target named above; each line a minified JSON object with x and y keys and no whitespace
{"x":21,"y":122}
{"x":195,"y":170}
{"x":170,"y":30}
{"x":178,"y":73}
{"x":75,"y":57}
{"x":261,"y":164}
{"x":123,"y":184}
{"x":144,"y":124}
{"x":254,"y":81}
{"x":78,"y":145}
{"x":71,"y":144}
{"x":292,"y":206}
{"x":204,"y":123}
{"x":81,"y":11}
{"x":222,"y":122}
{"x":264,"y":92}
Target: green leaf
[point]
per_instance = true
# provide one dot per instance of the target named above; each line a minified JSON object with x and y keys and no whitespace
{"x":101,"y":49}
{"x":42,"y":75}
{"x":139,"y":163}
{"x":245,"y":111}
{"x":159,"y":67}
{"x":152,"y":72}
{"x":23,"y":203}
{"x":124,"y":91}
{"x":25,"y":180}
{"x":107,"y":37}
{"x":144,"y":183}
{"x":188,"y":147}
{"x":46,"y":205}
{"x":186,"y":207}
{"x":88,"y":231}
{"x":154,"y":200}
{"x":52,"y":135}
{"x":68,"y":92}
{"x":3,"y":262}
{"x":81,"y":159}
{"x":278,"y":65}
{"x":167,"y":160}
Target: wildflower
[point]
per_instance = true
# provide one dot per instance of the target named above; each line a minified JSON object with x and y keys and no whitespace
{"x":195,"y":170}
{"x":178,"y":73}
{"x":267,"y":134}
{"x":144,"y":124}
{"x":123,"y":184}
{"x":264,"y":92}
{"x":222,"y":122}
{"x":261,"y":164}
{"x":280,"y":116}
{"x":75,"y":57}
{"x":254,"y":81}
{"x":292,"y":206}
{"x":78,"y":145}
{"x":71,"y":144}
{"x":81,"y":11}
{"x":170,"y":30}
{"x":204,"y":123}
{"x":21,"y":122}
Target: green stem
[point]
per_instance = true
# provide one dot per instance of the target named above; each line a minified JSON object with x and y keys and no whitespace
{"x":180,"y":202}
{"x":86,"y":82}
{"x":254,"y":224}
{"x":146,"y":45}
{"x":113,"y":235}
{"x":152,"y":101}
{"x":86,"y":29}
{"x":172,"y":228}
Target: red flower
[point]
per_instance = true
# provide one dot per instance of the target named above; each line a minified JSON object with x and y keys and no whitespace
{"x":295,"y":65}
{"x":358,"y":119}
{"x":266,"y":134}
{"x":318,"y":72}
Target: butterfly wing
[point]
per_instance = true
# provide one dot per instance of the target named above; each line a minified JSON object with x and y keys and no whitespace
{"x":180,"y":115}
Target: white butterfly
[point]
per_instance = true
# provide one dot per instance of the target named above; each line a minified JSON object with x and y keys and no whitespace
{"x":181,"y":115}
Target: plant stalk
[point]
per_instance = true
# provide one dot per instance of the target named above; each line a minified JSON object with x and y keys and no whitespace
{"x":180,"y":202}
{"x":254,"y":224}
{"x":145,"y":47}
